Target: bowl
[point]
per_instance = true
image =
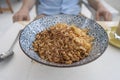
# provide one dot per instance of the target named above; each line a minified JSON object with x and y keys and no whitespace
{"x":28,"y":34}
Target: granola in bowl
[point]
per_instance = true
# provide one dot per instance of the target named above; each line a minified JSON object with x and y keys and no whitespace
{"x":63,"y":44}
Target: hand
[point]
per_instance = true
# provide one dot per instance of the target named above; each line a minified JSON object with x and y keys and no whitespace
{"x":103,"y":12}
{"x":21,"y":15}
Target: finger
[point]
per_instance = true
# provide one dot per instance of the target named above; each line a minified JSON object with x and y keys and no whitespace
{"x":24,"y":18}
{"x":28,"y":18}
{"x":20,"y":18}
{"x":107,"y":17}
{"x":97,"y":16}
{"x":110,"y":17}
{"x":17,"y":18}
{"x":14,"y":18}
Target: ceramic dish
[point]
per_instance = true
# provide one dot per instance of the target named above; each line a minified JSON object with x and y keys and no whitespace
{"x":100,"y":42}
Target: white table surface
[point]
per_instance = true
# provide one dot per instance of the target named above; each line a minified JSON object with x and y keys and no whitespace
{"x":20,"y":67}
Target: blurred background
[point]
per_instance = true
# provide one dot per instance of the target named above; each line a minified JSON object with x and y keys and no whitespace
{"x":9,"y":7}
{"x":114,"y":3}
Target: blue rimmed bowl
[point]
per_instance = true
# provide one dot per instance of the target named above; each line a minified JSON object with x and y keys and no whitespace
{"x":28,"y":34}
